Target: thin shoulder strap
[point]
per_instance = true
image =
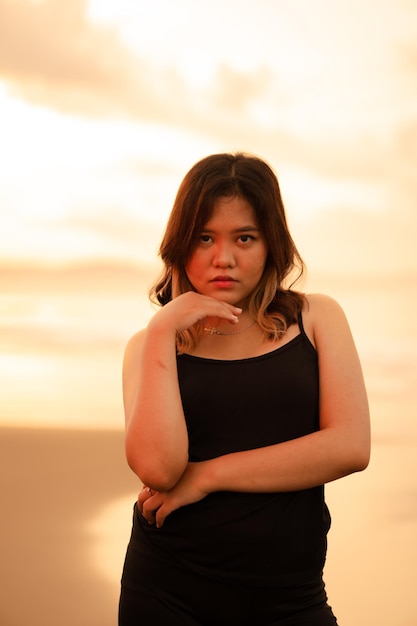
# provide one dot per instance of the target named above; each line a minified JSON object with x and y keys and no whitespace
{"x":303,"y":332}
{"x":300,"y":323}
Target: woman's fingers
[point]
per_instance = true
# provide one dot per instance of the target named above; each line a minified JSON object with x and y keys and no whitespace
{"x":147,"y":504}
{"x":192,"y":308}
{"x":152,"y":507}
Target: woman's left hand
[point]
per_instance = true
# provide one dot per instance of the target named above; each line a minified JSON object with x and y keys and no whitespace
{"x":155,"y":506}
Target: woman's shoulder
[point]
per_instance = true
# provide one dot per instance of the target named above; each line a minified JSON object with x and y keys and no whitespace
{"x":315,"y":302}
{"x":321,"y":314}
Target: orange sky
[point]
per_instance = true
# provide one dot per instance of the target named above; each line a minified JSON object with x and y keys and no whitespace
{"x":105,"y":104}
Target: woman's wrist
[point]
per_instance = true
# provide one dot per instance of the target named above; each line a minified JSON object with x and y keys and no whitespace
{"x":159,"y":327}
{"x":208,"y":479}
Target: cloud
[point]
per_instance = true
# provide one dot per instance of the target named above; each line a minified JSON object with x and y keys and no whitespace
{"x":51,"y":55}
{"x":330,"y":121}
{"x":51,"y":41}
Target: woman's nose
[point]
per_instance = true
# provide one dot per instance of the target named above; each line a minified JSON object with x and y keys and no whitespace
{"x":224,"y":256}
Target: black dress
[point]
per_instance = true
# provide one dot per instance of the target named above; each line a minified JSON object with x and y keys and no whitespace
{"x":237,"y":558}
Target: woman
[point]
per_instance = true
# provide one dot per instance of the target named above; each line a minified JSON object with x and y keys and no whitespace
{"x":242,"y":397}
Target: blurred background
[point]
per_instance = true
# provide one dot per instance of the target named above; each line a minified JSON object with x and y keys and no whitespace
{"x":104,"y":105}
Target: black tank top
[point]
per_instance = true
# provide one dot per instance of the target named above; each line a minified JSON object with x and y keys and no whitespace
{"x":257,"y":538}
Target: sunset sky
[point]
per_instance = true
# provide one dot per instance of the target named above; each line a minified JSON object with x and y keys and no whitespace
{"x":106,"y":104}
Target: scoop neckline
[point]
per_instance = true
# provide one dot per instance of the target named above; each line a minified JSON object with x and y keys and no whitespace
{"x":258,"y":357}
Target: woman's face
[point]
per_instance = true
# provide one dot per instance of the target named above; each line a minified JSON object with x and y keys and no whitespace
{"x":229,"y":257}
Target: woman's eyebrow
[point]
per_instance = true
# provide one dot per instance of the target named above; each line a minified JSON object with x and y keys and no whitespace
{"x":241,"y":229}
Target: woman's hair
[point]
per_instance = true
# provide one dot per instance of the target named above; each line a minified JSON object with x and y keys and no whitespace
{"x":273,"y":303}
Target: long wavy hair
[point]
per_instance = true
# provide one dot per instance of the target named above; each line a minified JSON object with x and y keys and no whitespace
{"x":273,"y":303}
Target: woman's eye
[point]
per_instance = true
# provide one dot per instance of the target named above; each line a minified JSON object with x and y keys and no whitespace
{"x":205,"y":238}
{"x":246,"y":238}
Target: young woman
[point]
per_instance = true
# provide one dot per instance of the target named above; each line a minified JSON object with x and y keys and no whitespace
{"x":243,"y":397}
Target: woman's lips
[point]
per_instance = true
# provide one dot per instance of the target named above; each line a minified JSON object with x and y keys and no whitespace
{"x":223,"y":281}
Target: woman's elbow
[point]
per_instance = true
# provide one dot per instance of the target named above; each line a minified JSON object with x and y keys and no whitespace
{"x":158,"y":465}
{"x":362,"y":459}
{"x":358,"y":458}
{"x":157,"y":474}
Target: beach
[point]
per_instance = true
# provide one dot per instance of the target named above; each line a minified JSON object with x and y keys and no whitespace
{"x":67,"y":499}
{"x":55,"y":485}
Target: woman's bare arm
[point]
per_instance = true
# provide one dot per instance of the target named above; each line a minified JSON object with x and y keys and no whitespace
{"x":156,"y":433}
{"x":339,"y":448}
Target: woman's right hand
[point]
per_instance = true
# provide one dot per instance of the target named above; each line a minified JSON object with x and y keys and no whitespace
{"x":192,"y":308}
{"x":156,"y":433}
